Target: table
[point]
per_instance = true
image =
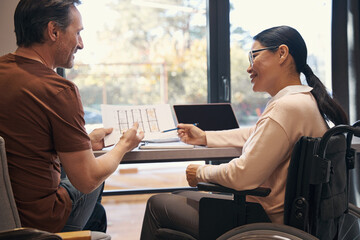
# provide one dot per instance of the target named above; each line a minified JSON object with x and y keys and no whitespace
{"x":176,"y":155}
{"x":210,"y":155}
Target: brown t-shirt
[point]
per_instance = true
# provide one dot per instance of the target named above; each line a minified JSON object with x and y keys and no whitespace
{"x":41,"y":113}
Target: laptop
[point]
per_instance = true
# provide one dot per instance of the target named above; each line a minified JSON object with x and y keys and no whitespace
{"x":209,"y":117}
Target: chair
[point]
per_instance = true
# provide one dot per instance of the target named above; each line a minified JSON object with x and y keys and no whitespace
{"x":316,"y":199}
{"x":10,"y":225}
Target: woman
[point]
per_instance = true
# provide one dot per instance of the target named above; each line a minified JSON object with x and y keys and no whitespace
{"x":277,"y":58}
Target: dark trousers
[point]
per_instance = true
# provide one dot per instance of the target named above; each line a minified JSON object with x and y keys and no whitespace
{"x":178,"y":211}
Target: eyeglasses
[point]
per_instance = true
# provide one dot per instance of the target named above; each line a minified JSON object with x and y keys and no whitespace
{"x":251,"y":56}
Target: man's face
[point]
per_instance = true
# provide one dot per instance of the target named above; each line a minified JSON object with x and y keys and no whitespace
{"x":69,"y":41}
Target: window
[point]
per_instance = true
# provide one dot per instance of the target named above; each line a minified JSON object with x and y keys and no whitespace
{"x":155,"y":51}
{"x":312,"y":18}
{"x":141,"y":52}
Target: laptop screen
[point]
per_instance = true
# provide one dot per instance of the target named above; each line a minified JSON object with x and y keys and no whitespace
{"x":212,"y":116}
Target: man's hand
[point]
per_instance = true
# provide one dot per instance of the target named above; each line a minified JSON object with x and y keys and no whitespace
{"x":191,"y":174}
{"x":97,"y":137}
{"x":131,"y":138}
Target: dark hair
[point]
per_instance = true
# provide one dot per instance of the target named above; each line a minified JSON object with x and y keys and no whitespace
{"x":32,"y":16}
{"x":276,"y":36}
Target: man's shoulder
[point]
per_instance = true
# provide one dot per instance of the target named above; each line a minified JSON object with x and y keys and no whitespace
{"x":7,"y":58}
{"x":47,"y":77}
{"x":44,"y":82}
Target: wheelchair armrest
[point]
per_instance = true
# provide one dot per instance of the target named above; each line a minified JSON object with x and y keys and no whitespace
{"x":213,"y":187}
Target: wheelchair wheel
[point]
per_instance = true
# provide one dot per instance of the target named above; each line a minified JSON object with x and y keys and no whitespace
{"x":349,"y":228}
{"x":263,"y":231}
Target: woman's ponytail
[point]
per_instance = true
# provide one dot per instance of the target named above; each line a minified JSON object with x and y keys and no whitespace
{"x":328,"y":107}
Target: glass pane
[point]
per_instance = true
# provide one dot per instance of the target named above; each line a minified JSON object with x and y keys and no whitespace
{"x":141,"y":52}
{"x":312,"y":18}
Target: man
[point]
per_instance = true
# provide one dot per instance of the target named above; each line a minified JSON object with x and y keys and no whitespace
{"x":41,"y":120}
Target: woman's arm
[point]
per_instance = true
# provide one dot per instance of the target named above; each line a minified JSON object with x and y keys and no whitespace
{"x":264,"y":151}
{"x":229,"y":138}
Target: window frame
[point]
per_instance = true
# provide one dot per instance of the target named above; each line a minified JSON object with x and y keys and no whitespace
{"x":218,"y":52}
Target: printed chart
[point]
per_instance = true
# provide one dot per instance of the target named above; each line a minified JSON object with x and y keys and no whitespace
{"x":146,"y":118}
{"x":152,"y":120}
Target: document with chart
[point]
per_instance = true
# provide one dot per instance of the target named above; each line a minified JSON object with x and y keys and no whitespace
{"x":152,"y":120}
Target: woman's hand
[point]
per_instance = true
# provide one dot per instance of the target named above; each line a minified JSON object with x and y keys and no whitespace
{"x":97,"y":137}
{"x":191,"y":174}
{"x":131,"y":138}
{"x":190,"y":134}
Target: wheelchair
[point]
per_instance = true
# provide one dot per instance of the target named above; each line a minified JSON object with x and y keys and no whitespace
{"x":316,"y":206}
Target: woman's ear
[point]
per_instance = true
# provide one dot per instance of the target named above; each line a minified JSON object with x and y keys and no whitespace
{"x":283,"y":53}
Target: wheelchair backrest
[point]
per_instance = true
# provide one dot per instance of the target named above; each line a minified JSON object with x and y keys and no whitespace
{"x":317,"y":184}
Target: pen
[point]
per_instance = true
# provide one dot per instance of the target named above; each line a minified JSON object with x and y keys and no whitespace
{"x":173,"y":129}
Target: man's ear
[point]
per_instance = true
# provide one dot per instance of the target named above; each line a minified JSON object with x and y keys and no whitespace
{"x":52,"y":31}
{"x":283,"y":53}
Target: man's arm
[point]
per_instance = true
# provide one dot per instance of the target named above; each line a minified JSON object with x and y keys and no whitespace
{"x":86,"y":172}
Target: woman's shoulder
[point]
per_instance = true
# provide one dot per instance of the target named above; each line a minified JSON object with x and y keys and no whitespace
{"x":291,"y":106}
{"x":293,"y":101}
{"x":297,"y":114}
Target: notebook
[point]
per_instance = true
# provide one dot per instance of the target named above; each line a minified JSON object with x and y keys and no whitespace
{"x":170,"y":145}
{"x":211,"y":116}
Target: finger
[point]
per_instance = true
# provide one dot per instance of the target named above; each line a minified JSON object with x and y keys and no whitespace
{"x":141,"y":134}
{"x":181,"y":130}
{"x":188,"y":179}
{"x":191,"y":183}
{"x":136,"y":125}
{"x":108,"y":130}
{"x":184,"y":125}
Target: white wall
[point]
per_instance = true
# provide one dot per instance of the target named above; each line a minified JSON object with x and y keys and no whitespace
{"x":7,"y":34}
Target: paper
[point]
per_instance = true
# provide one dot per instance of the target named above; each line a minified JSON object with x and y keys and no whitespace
{"x":152,"y":120}
{"x":172,"y":145}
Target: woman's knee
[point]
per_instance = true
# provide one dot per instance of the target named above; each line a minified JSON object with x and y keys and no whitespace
{"x":157,"y":201}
